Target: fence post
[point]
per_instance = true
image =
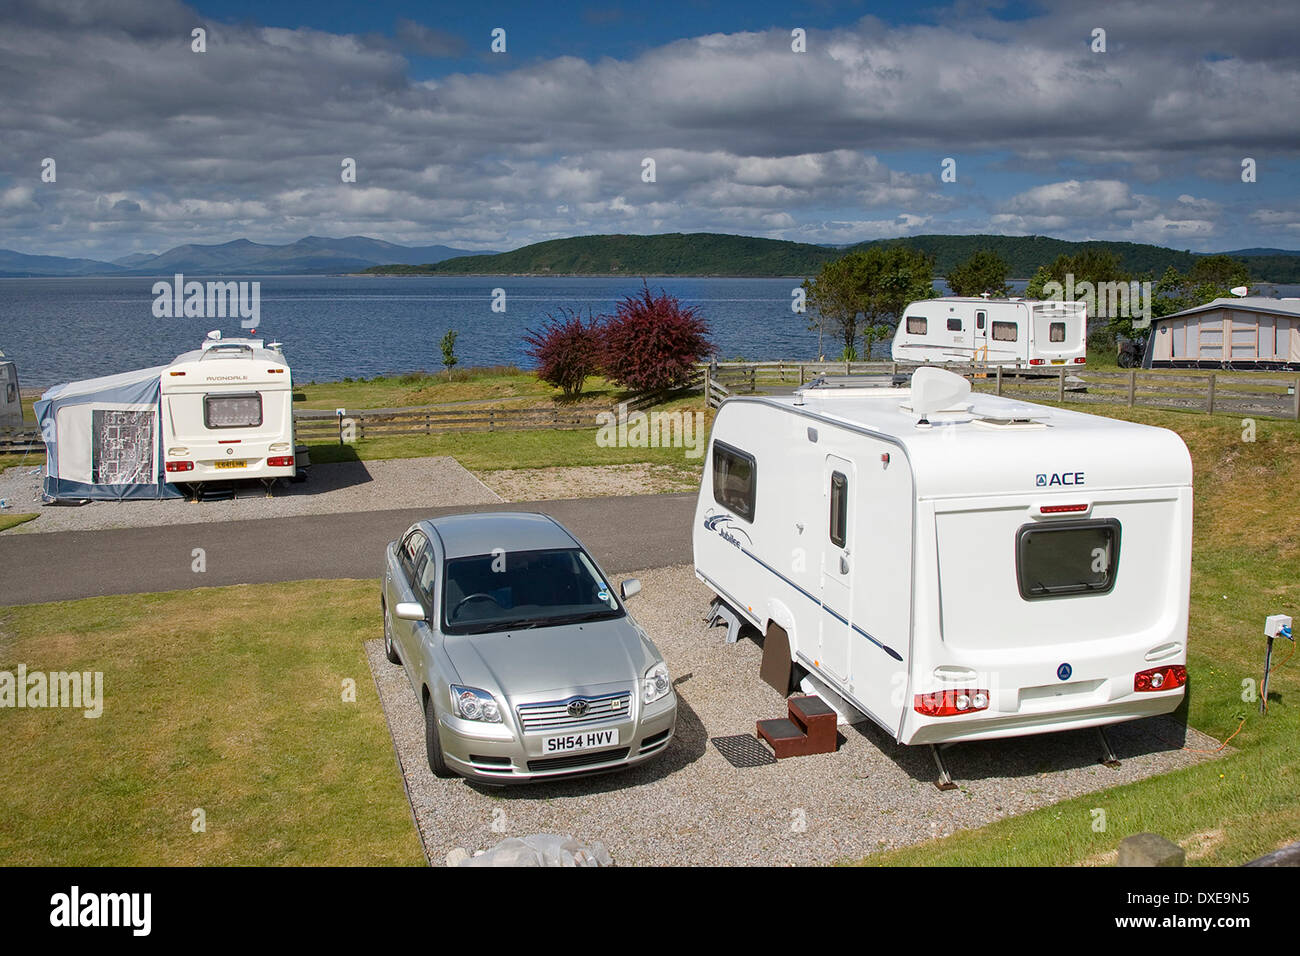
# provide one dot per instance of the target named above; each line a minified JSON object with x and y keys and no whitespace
{"x":1209,"y":405}
{"x":492,"y":419}
{"x":708,"y":386}
{"x":800,"y":374}
{"x":1295,"y":405}
{"x":1060,"y":392}
{"x":1132,"y":387}
{"x":846,"y":367}
{"x":893,"y":368}
{"x":999,"y":379}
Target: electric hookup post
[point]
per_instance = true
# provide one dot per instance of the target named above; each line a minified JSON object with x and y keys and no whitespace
{"x":1275,"y":625}
{"x":340,"y":412}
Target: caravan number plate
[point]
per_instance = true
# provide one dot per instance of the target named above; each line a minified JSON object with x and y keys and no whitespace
{"x":587,"y":741}
{"x":237,"y":463}
{"x":1058,"y":361}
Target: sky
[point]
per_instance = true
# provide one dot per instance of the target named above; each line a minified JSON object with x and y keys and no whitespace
{"x":828,"y":122}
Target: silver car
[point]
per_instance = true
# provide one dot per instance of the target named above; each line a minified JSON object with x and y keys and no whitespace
{"x":523,"y":657}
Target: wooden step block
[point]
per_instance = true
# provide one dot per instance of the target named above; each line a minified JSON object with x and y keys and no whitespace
{"x":817,"y":720}
{"x":784,"y":737}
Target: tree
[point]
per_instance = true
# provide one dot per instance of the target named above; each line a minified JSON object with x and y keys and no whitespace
{"x":985,"y":271}
{"x":566,"y":349}
{"x":875,"y":283}
{"x":448,"y":346}
{"x":653,"y":342}
{"x":1209,"y":278}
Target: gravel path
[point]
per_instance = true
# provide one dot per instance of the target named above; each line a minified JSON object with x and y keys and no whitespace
{"x":341,"y":488}
{"x":692,"y":807}
{"x":589,"y":481}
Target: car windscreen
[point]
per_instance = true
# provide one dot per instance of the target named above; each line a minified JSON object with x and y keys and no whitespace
{"x":1070,"y":558}
{"x":515,"y":590}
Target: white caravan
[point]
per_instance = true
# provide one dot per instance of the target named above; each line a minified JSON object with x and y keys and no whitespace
{"x":11,"y":405}
{"x":992,"y":331}
{"x":952,"y":566}
{"x":227,"y":413}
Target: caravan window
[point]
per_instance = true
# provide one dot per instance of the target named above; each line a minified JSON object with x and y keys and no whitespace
{"x":916,"y":324}
{"x":1005,"y":331}
{"x":1067,"y":558}
{"x":733,"y":480}
{"x":979,"y":321}
{"x":1056,"y":332}
{"x":954,"y":325}
{"x":839,"y":508}
{"x":232,"y":411}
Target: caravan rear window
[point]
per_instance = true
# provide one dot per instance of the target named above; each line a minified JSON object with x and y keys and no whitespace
{"x":1005,"y":331}
{"x":1067,"y":558}
{"x":1056,"y":332}
{"x":734,"y":480}
{"x":916,"y":325}
{"x":232,"y":411}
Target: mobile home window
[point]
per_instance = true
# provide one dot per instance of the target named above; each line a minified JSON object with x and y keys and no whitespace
{"x":916,"y":324}
{"x":1005,"y":331}
{"x":232,"y":411}
{"x":1056,"y":332}
{"x":954,"y":325}
{"x":979,"y":321}
{"x":734,"y":480}
{"x":1068,"y":558}
{"x":839,"y":508}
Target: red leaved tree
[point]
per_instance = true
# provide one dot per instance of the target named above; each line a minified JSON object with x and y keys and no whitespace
{"x":566,"y":350}
{"x":652,"y":342}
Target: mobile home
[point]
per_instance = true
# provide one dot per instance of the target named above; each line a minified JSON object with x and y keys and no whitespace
{"x":227,"y":413}
{"x":992,"y":331}
{"x":1252,"y":332}
{"x":11,"y":406}
{"x":951,"y":566}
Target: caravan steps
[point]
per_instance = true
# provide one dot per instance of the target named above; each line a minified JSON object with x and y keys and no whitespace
{"x":809,"y":729}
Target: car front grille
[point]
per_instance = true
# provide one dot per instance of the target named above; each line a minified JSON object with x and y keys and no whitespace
{"x":577,"y":760}
{"x":555,"y":715}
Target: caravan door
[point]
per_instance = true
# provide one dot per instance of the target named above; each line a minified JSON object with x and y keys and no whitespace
{"x":981,"y":343}
{"x":838,"y":480}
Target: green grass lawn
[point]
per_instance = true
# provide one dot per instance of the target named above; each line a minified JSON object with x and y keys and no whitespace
{"x":8,"y":521}
{"x":1246,"y":549}
{"x":506,"y":385}
{"x":225,"y":699}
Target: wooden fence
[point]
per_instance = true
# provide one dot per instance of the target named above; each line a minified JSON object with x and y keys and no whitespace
{"x":1257,"y":394}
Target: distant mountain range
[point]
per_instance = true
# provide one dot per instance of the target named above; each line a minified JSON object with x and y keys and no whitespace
{"x":713,"y":254}
{"x":313,"y":255}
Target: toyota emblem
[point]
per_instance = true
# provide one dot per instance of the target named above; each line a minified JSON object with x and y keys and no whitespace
{"x":578,"y":708}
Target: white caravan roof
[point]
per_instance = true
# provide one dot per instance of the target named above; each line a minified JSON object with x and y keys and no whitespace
{"x":227,"y":361}
{"x":993,"y":445}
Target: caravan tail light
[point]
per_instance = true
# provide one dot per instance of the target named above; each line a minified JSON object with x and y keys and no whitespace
{"x":1169,"y":677}
{"x":1080,"y":360}
{"x":1061,"y":509}
{"x":1037,"y":361}
{"x":281,"y":461}
{"x":180,"y":466}
{"x":950,"y":703}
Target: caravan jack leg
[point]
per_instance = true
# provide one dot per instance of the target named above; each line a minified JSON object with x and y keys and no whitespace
{"x":945,"y":781}
{"x":1108,"y":757}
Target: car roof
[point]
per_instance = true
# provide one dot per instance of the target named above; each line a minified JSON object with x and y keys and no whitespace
{"x":480,"y":533}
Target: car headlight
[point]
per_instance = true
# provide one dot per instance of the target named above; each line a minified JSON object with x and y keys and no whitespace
{"x":474,"y":704}
{"x":657,"y":683}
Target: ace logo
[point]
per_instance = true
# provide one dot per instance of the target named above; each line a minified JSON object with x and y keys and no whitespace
{"x":1065,"y":478}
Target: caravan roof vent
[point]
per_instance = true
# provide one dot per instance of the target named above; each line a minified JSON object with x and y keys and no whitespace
{"x":936,"y":390}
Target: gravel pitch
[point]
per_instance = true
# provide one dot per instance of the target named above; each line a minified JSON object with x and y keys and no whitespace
{"x":691,"y":807}
{"x":331,"y":489}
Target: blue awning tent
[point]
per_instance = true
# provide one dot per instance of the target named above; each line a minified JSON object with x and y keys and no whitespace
{"x":103,"y":438}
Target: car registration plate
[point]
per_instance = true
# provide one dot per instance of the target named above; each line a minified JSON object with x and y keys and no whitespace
{"x":588,"y":740}
{"x":1058,"y":361}
{"x":237,"y":463}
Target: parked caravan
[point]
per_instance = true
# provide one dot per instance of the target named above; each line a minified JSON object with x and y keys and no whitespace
{"x":11,"y":405}
{"x":227,"y":413}
{"x":103,"y":438}
{"x":951,"y":566}
{"x":992,"y":331}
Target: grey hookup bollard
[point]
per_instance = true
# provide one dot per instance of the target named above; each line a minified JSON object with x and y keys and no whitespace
{"x":1149,"y":849}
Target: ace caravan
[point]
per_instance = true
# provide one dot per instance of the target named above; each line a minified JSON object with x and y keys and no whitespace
{"x":992,"y":331}
{"x":951,"y":566}
{"x":227,"y":413}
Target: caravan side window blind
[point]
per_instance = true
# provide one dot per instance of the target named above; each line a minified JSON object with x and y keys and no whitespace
{"x":734,"y":476}
{"x":1067,"y":558}
{"x":232,"y":411}
{"x":839,"y":508}
{"x":1005,"y":331}
{"x":916,"y":325}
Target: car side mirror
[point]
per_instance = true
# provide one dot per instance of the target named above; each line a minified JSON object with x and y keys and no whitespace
{"x":409,"y":611}
{"x":629,"y":588}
